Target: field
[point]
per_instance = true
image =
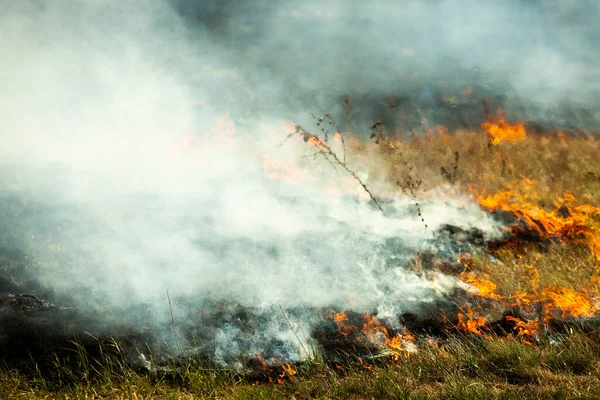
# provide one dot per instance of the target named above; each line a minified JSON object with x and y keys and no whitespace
{"x":277,"y":199}
{"x":526,"y":327}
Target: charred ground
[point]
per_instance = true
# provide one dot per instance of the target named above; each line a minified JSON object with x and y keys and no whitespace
{"x":464,"y":344}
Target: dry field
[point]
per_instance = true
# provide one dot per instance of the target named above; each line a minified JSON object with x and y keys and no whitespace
{"x":527,"y":327}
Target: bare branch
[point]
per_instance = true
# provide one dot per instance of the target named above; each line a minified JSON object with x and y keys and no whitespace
{"x":327,"y":151}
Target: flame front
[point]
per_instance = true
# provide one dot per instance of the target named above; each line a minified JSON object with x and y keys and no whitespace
{"x":469,"y":321}
{"x":501,"y":131}
{"x":566,"y":221}
{"x":374,"y":332}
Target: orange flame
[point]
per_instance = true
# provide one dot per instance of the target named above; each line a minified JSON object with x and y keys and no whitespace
{"x":502,"y":131}
{"x":570,"y":302}
{"x":470,"y":322}
{"x":374,"y":332}
{"x":288,"y":371}
{"x":526,"y":330}
{"x":566,"y":221}
{"x":485,"y":287}
{"x":364,"y":364}
{"x":341,"y":319}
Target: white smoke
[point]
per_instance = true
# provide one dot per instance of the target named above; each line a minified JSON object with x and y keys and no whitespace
{"x":96,"y":96}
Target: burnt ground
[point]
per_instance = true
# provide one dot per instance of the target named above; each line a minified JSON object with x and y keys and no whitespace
{"x":37,"y":324}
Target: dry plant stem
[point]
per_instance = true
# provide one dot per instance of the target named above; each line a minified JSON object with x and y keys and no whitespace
{"x":173,"y":324}
{"x":293,"y":330}
{"x":451,"y":177}
{"x":327,"y":152}
{"x":409,"y":187}
{"x":343,"y":144}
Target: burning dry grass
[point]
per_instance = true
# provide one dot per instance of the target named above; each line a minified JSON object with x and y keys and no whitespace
{"x":526,"y":329}
{"x":548,"y":269}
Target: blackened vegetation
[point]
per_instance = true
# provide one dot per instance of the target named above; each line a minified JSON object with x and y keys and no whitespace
{"x":36,"y":332}
{"x":34,"y":329}
{"x":520,"y":234}
{"x":37,"y":326}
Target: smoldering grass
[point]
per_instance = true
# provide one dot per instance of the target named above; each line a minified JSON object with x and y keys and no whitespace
{"x":462,"y":366}
{"x":294,"y":331}
{"x":459,"y":367}
{"x":173,"y":325}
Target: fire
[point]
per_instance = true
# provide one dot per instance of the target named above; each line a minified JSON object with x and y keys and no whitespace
{"x":288,"y":372}
{"x":485,"y":287}
{"x":567,"y":302}
{"x":364,"y":364}
{"x":565,"y":221}
{"x":502,"y":131}
{"x":274,"y":363}
{"x":288,"y":369}
{"x":470,"y":322}
{"x":395,"y":344}
{"x":526,"y":330}
{"x":373,"y":329}
{"x":316,"y":141}
{"x":570,"y":302}
{"x":344,"y":327}
{"x":374,"y":332}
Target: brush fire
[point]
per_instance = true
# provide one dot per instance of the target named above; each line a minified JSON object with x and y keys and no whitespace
{"x":377,"y":306}
{"x":260,"y":244}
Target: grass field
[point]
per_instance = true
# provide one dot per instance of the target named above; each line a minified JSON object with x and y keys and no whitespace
{"x":551,"y":351}
{"x":464,"y":367}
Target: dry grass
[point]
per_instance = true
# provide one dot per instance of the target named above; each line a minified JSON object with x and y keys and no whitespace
{"x":465,"y":366}
{"x":555,"y":165}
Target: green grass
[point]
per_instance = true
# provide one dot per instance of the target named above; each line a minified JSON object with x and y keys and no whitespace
{"x":460,"y":367}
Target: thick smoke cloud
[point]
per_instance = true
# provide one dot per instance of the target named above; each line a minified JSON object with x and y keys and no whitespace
{"x":537,"y":53}
{"x":97,"y":97}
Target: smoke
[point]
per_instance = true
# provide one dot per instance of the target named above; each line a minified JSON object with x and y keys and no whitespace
{"x":537,"y":55}
{"x":114,"y":207}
